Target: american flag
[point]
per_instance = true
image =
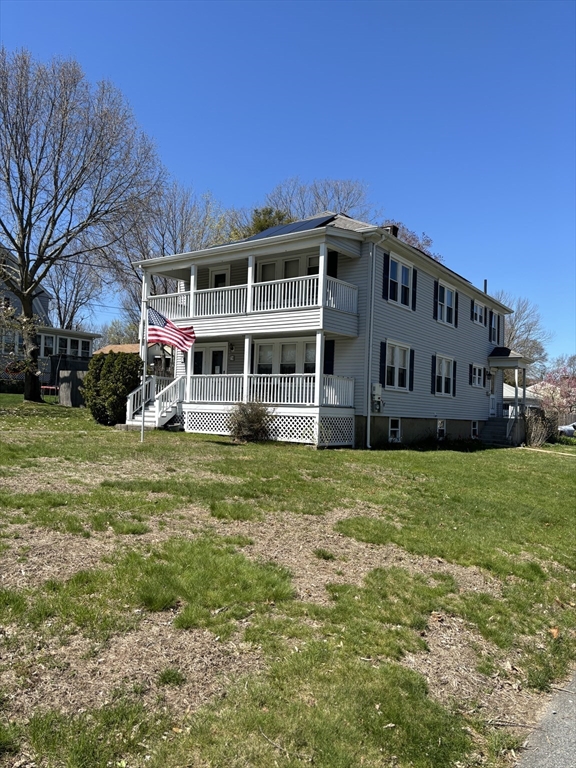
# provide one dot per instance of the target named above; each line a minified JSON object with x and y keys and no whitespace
{"x":163,"y":331}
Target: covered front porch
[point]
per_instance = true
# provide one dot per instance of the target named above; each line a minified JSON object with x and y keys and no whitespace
{"x":280,"y":372}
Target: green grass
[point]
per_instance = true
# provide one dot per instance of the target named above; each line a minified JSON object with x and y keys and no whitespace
{"x":333,"y":690}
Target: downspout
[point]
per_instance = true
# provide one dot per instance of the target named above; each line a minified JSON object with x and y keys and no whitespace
{"x":370,"y":334}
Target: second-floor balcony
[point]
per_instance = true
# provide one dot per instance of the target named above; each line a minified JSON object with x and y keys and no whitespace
{"x":276,"y":295}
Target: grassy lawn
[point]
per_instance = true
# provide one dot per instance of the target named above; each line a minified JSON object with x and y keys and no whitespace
{"x":189,"y":602}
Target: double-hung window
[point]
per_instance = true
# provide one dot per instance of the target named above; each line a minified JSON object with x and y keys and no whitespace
{"x":446,"y":304}
{"x":476,"y":375}
{"x":494,"y":327}
{"x":445,"y":375}
{"x":397,"y":359}
{"x":400,"y":283}
{"x":478,"y":313}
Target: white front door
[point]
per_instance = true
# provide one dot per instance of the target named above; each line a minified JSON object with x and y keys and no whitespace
{"x":209,"y":360}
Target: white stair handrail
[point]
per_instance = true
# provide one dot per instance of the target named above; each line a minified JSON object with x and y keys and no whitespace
{"x":167,"y":399}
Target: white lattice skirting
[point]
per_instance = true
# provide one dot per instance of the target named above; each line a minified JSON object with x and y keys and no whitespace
{"x":206,"y":423}
{"x":296,"y":428}
{"x":336,"y":430}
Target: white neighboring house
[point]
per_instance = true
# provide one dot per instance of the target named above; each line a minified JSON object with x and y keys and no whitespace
{"x":57,"y":347}
{"x":351,"y":337}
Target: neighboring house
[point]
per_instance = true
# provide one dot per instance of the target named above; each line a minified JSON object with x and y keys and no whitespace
{"x":155,"y":358}
{"x":56,"y":346}
{"x":529,"y":399}
{"x":330,"y":321}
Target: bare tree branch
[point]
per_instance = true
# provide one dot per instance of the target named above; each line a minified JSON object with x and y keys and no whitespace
{"x":524,"y":332}
{"x":72,"y":164}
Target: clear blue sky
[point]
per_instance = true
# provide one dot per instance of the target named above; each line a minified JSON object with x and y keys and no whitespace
{"x":459,"y":115}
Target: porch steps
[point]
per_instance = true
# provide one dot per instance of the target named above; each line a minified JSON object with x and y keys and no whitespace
{"x":494,"y":433}
{"x":149,"y":418}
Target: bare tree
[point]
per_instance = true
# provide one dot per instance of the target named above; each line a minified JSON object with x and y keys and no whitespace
{"x":74,"y":284}
{"x":300,"y":199}
{"x":117,"y":332}
{"x":524,"y":332}
{"x":179,"y":221}
{"x":72,"y":164}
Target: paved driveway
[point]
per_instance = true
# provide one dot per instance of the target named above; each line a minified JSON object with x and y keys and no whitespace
{"x":553,"y":744}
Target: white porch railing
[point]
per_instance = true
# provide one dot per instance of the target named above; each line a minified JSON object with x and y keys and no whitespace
{"x":341,"y":295}
{"x":176,"y":306}
{"x":221,"y":301}
{"x":337,"y":390}
{"x":295,"y":293}
{"x":274,"y":389}
{"x":282,"y":389}
{"x":168,"y":398}
{"x":216,"y":389}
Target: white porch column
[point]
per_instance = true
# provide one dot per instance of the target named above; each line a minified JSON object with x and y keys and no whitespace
{"x":319,"y":368}
{"x":189,"y":369}
{"x":246,"y":381}
{"x":192,"y":290}
{"x":516,"y":392}
{"x":322,"y":263}
{"x":250,"y":284}
{"x":524,"y":389}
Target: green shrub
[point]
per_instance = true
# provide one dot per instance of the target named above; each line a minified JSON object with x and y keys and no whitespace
{"x":250,"y":422}
{"x":109,"y":381}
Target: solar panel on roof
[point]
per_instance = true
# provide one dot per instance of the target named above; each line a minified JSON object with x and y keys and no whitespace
{"x":295,"y":226}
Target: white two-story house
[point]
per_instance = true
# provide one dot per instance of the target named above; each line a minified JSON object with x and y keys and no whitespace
{"x":349,"y":335}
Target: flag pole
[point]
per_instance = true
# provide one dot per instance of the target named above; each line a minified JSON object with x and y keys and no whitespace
{"x":144,"y":366}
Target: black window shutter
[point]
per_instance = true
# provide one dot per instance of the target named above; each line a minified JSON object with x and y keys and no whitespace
{"x":454,"y":379}
{"x":252,"y":358}
{"x":470,"y":374}
{"x":414,"y":284}
{"x":456,"y":309}
{"x":472,"y":310}
{"x":433,"y":374}
{"x":329,"y":357}
{"x":483,"y":377}
{"x":386,"y":276}
{"x":485,"y":316}
{"x":383,"y":363}
{"x":490,"y":325}
{"x":498,"y":332}
{"x":411,"y":372}
{"x":435,"y":309}
{"x":332,"y":265}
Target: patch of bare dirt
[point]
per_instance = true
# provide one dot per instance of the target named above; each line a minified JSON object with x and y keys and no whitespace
{"x":290,"y":540}
{"x":451,"y":671}
{"x":55,"y":475}
{"x":44,"y":674}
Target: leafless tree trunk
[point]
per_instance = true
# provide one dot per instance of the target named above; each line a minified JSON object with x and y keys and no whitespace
{"x":72,"y":164}
{"x":524,"y":332}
